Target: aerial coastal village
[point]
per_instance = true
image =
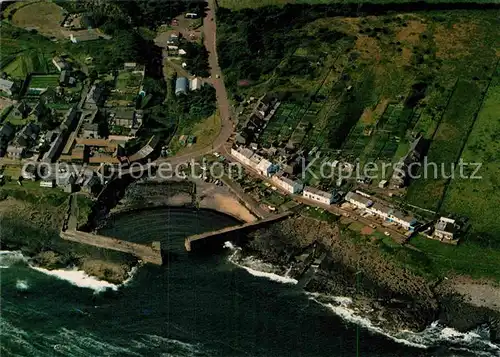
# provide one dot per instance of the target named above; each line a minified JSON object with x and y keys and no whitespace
{"x":348,"y":150}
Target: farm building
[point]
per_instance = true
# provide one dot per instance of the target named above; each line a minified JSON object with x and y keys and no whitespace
{"x":8,"y":87}
{"x":287,"y":184}
{"x":195,"y":84}
{"x":181,"y":85}
{"x":326,"y":198}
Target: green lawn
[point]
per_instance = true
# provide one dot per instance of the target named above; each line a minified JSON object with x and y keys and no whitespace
{"x":479,"y":198}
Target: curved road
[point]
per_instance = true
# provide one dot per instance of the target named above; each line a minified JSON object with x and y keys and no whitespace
{"x":223,"y":103}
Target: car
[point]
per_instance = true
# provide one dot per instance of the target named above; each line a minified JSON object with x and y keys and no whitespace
{"x":387,"y":233}
{"x":217,"y":76}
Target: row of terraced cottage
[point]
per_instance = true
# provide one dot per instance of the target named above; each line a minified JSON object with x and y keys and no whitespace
{"x":444,"y":230}
{"x":268,"y":169}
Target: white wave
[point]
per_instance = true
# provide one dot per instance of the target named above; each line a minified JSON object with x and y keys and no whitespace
{"x":476,"y":341}
{"x":22,"y":285}
{"x":231,"y":246}
{"x":341,"y":308}
{"x":257,"y":267}
{"x":8,"y":258}
{"x":131,"y":275}
{"x":78,"y":278}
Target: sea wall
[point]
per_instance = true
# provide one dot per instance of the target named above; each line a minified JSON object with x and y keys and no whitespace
{"x":183,"y":193}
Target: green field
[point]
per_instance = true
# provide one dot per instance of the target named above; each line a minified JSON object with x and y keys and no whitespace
{"x":28,"y":62}
{"x":447,"y":142}
{"x":466,"y":259}
{"x":44,"y":81}
{"x":478,"y":199}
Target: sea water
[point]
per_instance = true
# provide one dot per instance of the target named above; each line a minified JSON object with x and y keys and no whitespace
{"x":195,"y":306}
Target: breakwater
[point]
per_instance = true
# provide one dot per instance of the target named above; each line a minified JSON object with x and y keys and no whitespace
{"x":221,"y":235}
{"x":147,"y":253}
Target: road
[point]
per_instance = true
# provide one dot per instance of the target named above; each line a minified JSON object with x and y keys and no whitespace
{"x":223,"y":103}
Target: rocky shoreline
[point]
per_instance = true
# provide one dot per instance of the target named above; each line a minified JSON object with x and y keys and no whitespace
{"x":323,"y":261}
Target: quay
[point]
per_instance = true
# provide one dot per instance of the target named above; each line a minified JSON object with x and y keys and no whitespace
{"x":147,"y":253}
{"x":221,"y":234}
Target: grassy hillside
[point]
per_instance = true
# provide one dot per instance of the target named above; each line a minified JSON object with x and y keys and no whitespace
{"x":243,"y":4}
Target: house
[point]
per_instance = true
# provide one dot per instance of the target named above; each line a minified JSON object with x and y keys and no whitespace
{"x":195,"y":84}
{"x":358,"y":200}
{"x":181,"y":85}
{"x":445,"y":229}
{"x":287,"y":184}
{"x":242,"y":154}
{"x":124,"y":118}
{"x":55,"y":148}
{"x":90,"y":131}
{"x":266,"y":168}
{"x":23,"y":141}
{"x":70,"y":121}
{"x":16,"y":152}
{"x":320,"y":196}
{"x":95,"y":95}
{"x":380,"y":210}
{"x":60,"y":63}
{"x":6,"y":86}
{"x":407,"y":222}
